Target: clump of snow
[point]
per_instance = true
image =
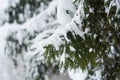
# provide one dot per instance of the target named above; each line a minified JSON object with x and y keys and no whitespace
{"x":65,"y":11}
{"x":77,"y":74}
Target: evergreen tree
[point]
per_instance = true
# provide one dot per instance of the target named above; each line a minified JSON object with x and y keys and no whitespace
{"x":97,"y":45}
{"x":90,"y":40}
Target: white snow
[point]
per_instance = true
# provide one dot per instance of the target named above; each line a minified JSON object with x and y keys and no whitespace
{"x":65,"y":11}
{"x":3,"y":4}
{"x":77,"y":74}
{"x":7,"y":69}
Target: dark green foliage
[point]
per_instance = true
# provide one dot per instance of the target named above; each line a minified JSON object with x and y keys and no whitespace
{"x":103,"y":26}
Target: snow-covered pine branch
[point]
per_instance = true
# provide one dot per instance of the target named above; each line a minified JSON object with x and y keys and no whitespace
{"x":59,"y":36}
